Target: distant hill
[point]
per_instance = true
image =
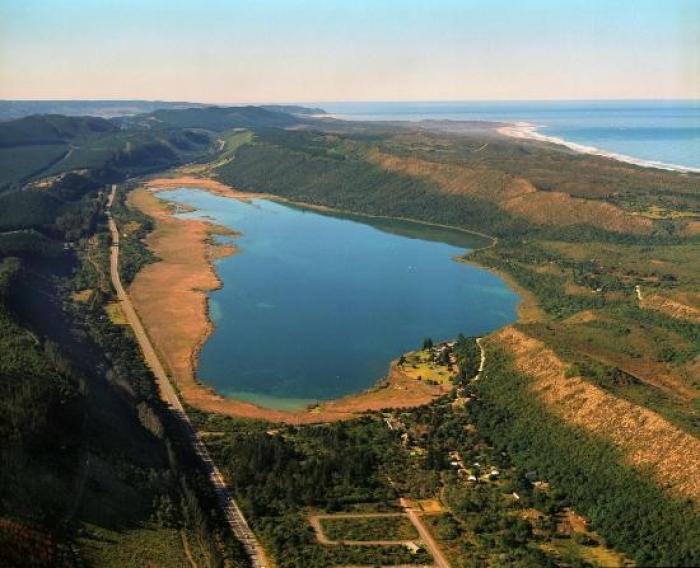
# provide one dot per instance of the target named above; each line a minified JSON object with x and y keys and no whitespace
{"x":294,"y":109}
{"x":216,"y":119}
{"x":10,"y":110}
{"x":47,"y":145}
{"x":51,"y":129}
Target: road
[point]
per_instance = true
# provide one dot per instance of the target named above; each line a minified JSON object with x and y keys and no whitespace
{"x":482,"y":363}
{"x":426,"y":537}
{"x":234,"y":516}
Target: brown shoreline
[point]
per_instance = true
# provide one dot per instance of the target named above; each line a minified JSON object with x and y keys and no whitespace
{"x":170,"y":296}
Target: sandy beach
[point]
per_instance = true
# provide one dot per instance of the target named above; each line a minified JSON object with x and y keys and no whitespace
{"x":529,"y":131}
{"x":170,"y":296}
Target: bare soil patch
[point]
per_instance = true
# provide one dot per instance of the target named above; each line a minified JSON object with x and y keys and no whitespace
{"x":670,"y":307}
{"x":516,"y":195}
{"x":647,"y":439}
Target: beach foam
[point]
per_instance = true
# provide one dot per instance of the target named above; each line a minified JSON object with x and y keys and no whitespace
{"x":527,"y":130}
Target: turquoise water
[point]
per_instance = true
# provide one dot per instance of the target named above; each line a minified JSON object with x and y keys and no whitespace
{"x":655,"y":131}
{"x":315,"y":306}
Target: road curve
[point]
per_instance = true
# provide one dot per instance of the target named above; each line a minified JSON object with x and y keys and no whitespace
{"x":234,"y":515}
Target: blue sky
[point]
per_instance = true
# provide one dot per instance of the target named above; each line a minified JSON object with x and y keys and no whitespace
{"x":314,"y":50}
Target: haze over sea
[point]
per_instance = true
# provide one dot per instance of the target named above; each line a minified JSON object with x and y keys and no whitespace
{"x":654,"y":131}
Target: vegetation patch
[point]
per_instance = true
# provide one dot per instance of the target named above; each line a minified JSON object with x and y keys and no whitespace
{"x":369,"y":528}
{"x":115,"y":313}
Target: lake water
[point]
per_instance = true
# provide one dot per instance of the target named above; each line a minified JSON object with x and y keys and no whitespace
{"x":655,"y":131}
{"x":315,"y":306}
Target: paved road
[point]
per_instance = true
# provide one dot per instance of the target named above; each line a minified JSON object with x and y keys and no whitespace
{"x":234,"y":516}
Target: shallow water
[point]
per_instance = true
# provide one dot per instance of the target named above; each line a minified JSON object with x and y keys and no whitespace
{"x":315,"y":306}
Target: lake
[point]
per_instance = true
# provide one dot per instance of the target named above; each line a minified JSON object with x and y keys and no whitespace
{"x":315,"y":306}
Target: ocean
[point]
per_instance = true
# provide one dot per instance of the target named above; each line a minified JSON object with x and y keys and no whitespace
{"x":651,"y":133}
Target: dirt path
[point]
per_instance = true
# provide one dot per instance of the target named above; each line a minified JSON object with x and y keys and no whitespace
{"x":426,"y":537}
{"x":233,"y":514}
{"x":482,"y":363}
{"x":412,"y":514}
{"x":315,"y":521}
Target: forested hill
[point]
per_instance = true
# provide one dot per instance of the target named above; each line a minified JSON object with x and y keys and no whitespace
{"x":216,"y":119}
{"x":51,"y":129}
{"x":10,"y":110}
{"x":42,"y":146}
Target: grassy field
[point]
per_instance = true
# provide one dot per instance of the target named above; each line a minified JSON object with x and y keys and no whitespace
{"x":422,"y":366}
{"x":369,"y":528}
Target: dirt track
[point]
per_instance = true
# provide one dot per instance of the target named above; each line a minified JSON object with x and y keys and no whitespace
{"x":425,"y":537}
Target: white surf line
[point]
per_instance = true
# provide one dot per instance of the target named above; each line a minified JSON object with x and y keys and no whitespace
{"x":527,"y":130}
{"x":234,"y":515}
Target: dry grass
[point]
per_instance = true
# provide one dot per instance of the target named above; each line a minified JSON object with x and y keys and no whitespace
{"x":560,"y":209}
{"x":83,"y":296}
{"x":170,"y":297}
{"x":115,"y":314}
{"x":516,"y":195}
{"x":429,"y":506}
{"x":671,"y":307}
{"x":419,"y":366}
{"x":456,"y":179}
{"x":646,"y":439}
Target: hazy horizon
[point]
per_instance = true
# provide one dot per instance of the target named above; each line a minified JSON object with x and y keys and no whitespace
{"x":274,"y":51}
{"x":353,"y":101}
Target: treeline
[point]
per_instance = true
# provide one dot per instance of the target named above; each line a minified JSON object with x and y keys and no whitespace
{"x":303,"y":167}
{"x":44,"y":222}
{"x":134,"y":226}
{"x":278,"y":475}
{"x":331,"y":170}
{"x":150,"y":448}
{"x":468,"y":358}
{"x":42,"y":405}
{"x":327,"y":466}
{"x":631,"y":512}
{"x":111,"y":150}
{"x":86,"y":440}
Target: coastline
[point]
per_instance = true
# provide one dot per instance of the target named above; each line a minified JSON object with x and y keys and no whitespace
{"x":529,"y":131}
{"x":161,"y":293}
